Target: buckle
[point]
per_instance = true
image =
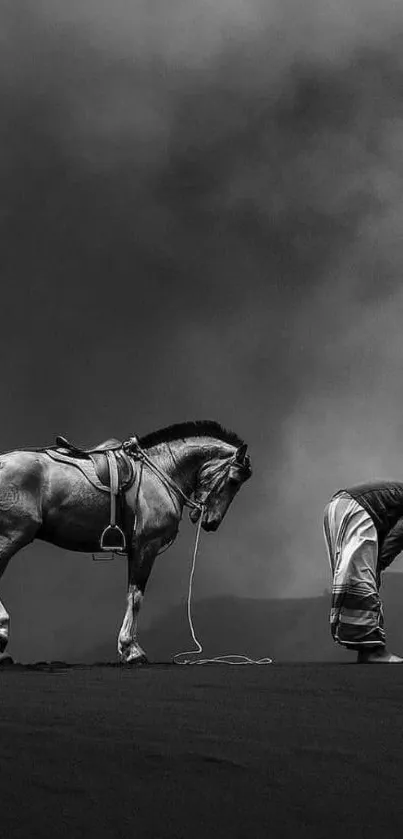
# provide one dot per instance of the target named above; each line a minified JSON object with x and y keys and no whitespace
{"x":104,"y":557}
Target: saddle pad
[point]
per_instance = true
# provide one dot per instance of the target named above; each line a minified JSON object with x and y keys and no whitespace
{"x":85,"y":466}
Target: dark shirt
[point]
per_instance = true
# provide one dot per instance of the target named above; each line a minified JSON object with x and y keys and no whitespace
{"x":383,"y":500}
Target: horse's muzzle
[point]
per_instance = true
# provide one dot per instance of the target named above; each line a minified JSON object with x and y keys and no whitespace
{"x":210,"y":526}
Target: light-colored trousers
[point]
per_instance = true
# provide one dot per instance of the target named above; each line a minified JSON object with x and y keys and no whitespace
{"x":356,"y":617}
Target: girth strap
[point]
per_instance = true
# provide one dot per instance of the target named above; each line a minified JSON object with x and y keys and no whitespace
{"x":113,"y":538}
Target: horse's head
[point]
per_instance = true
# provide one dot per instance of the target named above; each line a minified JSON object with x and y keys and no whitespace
{"x":219,"y":480}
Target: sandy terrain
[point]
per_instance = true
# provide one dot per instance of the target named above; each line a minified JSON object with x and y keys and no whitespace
{"x":165,"y":751}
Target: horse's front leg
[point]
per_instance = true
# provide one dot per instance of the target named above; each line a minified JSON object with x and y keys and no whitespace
{"x":128,"y":646}
{"x":139,"y":568}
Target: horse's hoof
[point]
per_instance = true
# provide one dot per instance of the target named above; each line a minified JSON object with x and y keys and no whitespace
{"x":135,"y":662}
{"x":6,"y":661}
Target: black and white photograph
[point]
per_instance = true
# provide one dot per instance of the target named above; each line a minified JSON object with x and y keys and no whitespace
{"x":201,"y":425}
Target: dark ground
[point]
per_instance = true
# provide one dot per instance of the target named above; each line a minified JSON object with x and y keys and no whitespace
{"x":305,"y":750}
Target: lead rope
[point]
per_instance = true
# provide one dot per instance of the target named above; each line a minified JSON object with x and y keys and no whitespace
{"x":170,"y":484}
{"x":224,"y":659}
{"x":189,"y":600}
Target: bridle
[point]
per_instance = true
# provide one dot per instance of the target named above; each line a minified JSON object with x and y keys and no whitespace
{"x":132,"y":446}
{"x":218,"y":481}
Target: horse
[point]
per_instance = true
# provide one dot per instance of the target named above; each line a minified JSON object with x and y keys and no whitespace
{"x":198,"y":464}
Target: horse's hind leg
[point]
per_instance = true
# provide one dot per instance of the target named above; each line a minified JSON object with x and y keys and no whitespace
{"x":9,"y":545}
{"x":4,"y":616}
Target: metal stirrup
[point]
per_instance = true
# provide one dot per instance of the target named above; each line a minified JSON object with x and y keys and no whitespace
{"x":112,"y":527}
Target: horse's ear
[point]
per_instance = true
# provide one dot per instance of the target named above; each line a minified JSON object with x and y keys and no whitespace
{"x":240,"y":455}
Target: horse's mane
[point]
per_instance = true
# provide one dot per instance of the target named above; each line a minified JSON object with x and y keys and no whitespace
{"x":196,"y":428}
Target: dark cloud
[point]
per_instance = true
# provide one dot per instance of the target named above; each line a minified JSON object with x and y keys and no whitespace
{"x":204,"y":206}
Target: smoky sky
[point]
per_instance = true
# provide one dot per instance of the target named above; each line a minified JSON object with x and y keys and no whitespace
{"x":201,"y":217}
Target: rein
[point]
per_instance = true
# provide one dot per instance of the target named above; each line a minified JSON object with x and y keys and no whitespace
{"x":165,"y":479}
{"x":133,"y":446}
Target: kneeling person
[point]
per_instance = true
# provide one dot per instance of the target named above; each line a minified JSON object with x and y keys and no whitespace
{"x":363,"y":529}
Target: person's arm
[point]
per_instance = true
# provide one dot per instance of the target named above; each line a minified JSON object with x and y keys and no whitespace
{"x":392,"y":545}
